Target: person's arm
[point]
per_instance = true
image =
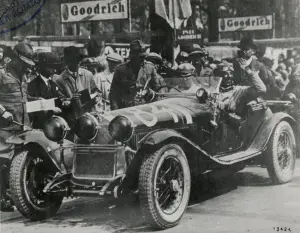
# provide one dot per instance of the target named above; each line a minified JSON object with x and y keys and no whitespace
{"x":156,"y":80}
{"x":257,"y":83}
{"x":115,"y":91}
{"x":2,"y":110}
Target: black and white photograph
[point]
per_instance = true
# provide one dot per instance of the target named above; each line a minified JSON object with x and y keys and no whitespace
{"x":141,"y":116}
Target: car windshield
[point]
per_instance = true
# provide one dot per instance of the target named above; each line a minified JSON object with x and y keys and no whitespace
{"x":192,"y":84}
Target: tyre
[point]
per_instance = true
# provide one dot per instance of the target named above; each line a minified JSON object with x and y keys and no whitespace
{"x":28,"y":176}
{"x":164,"y":186}
{"x":281,"y":154}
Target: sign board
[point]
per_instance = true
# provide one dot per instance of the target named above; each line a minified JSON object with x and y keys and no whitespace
{"x":94,"y":10}
{"x":122,"y":49}
{"x":188,"y":34}
{"x":251,"y":23}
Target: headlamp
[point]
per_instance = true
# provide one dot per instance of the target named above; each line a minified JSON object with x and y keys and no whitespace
{"x":86,"y":127}
{"x":121,"y":128}
{"x":56,"y":129}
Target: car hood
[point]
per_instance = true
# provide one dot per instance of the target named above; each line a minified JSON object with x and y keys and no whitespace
{"x":171,"y":112}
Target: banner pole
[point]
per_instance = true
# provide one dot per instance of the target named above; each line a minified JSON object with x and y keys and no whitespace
{"x":129,"y":15}
{"x":174,"y":30}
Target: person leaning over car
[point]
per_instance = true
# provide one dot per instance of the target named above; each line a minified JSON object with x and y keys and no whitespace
{"x":247,"y":62}
{"x":13,"y":97}
{"x":132,"y":76}
{"x":43,"y":87}
{"x":70,"y":82}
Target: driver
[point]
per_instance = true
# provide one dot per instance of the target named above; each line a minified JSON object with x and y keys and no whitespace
{"x":132,"y":76}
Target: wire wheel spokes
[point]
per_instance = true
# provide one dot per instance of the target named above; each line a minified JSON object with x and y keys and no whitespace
{"x":36,"y":179}
{"x":285,"y":151}
{"x":169,"y":184}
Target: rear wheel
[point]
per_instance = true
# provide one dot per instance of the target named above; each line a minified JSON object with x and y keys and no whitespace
{"x":281,"y":154}
{"x":164,"y":186}
{"x":28,"y":176}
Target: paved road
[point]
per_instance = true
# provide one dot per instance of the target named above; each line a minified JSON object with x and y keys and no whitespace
{"x":244,"y":203}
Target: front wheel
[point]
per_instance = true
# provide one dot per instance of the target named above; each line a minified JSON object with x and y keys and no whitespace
{"x":281,"y":154}
{"x":28,"y":176}
{"x":164,"y":186}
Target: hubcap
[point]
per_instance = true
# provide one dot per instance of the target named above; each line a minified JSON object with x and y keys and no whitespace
{"x":285,"y":151}
{"x":169,"y":184}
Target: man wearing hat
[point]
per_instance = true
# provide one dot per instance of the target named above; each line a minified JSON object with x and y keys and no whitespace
{"x":73,"y":80}
{"x":199,"y":59}
{"x":47,"y":64}
{"x":247,"y":64}
{"x":132,"y":76}
{"x":103,"y":79}
{"x":13,"y":97}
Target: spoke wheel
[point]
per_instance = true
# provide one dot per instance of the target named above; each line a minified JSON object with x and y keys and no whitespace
{"x":281,"y":154}
{"x":28,"y":177}
{"x":164,"y":186}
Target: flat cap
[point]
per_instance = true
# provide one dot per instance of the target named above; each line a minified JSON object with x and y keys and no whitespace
{"x":153,"y":56}
{"x":115,"y":57}
{"x":25,"y":52}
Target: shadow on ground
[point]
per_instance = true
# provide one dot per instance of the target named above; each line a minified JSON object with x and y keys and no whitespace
{"x":121,"y":216}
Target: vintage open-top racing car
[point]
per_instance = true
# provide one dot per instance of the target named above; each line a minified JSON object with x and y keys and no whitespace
{"x":155,"y":149}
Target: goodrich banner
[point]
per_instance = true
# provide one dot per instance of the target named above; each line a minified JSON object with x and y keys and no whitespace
{"x":94,"y":10}
{"x":250,"y":23}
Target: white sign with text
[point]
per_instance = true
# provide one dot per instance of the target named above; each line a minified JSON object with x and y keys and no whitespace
{"x":94,"y":10}
{"x":250,"y":23}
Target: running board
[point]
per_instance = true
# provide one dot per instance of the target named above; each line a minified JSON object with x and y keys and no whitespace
{"x":239,"y":156}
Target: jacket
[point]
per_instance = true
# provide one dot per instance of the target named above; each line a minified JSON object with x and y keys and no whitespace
{"x":125,"y":84}
{"x":242,"y":78}
{"x":38,"y":88}
{"x":68,"y":85}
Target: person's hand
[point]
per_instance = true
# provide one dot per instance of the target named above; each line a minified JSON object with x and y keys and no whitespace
{"x":292,"y":97}
{"x":8,"y":117}
{"x":66,"y":103}
{"x":76,"y":96}
{"x":57,"y":110}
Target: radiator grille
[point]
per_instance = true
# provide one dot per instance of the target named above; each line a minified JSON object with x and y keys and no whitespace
{"x":94,"y":162}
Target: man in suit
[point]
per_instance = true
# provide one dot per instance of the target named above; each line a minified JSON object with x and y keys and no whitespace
{"x":42,"y":87}
{"x":132,"y":76}
{"x":71,"y":82}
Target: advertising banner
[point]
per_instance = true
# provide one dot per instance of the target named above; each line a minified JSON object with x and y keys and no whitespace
{"x":251,"y":23}
{"x":94,"y":10}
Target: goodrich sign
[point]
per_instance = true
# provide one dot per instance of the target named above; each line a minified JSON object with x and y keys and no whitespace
{"x":250,"y":23}
{"x":94,"y":10}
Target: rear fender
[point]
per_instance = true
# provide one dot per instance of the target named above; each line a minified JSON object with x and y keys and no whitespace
{"x":263,"y":136}
{"x":36,"y":140}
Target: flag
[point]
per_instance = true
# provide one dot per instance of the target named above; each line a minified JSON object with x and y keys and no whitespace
{"x":173,"y":11}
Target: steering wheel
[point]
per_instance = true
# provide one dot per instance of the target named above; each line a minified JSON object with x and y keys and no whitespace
{"x":169,"y":88}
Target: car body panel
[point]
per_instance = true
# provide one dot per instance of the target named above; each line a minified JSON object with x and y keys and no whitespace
{"x":52,"y":149}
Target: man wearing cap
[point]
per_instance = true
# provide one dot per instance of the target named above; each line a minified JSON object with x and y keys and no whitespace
{"x":73,"y":80}
{"x":103,"y":79}
{"x":43,"y":86}
{"x":247,"y":64}
{"x":132,"y":76}
{"x":199,"y":59}
{"x":13,"y":97}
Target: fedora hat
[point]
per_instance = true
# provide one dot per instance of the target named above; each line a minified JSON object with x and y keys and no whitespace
{"x":247,"y":43}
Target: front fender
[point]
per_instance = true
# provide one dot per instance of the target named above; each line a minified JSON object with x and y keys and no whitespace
{"x":261,"y":139}
{"x":161,"y":135}
{"x":36,"y":139}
